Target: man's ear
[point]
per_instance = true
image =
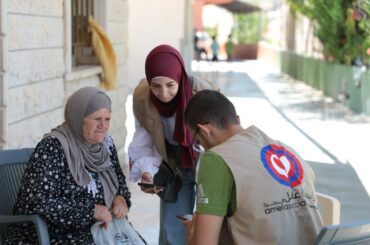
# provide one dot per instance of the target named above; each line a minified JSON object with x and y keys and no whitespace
{"x":205,"y":128}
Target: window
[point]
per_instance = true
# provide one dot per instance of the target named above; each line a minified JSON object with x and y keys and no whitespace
{"x":80,"y":60}
{"x":82,"y":51}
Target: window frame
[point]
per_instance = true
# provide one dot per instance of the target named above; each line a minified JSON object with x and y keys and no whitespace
{"x":77,"y":72}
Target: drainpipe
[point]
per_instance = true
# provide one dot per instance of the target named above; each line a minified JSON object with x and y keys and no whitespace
{"x":3,"y":73}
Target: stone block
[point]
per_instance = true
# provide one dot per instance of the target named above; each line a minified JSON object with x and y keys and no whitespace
{"x":121,"y":53}
{"x":72,"y":86}
{"x":119,"y":137}
{"x":33,"y":99}
{"x":122,"y":77}
{"x":118,"y":11}
{"x":118,"y":98}
{"x":2,"y":51}
{"x":3,"y":90}
{"x":117,"y":32}
{"x":3,"y":124}
{"x":29,"y":66}
{"x":29,"y":32}
{"x":117,"y":119}
{"x":36,"y":7}
{"x":27,"y":133}
{"x":3,"y":18}
{"x":3,"y":54}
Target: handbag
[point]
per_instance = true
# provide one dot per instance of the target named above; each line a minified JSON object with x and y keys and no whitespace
{"x":119,"y":231}
{"x":170,"y":179}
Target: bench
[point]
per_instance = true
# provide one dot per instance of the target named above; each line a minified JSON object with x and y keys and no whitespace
{"x":12,"y":165}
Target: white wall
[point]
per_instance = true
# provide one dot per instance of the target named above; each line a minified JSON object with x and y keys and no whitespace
{"x":152,"y":22}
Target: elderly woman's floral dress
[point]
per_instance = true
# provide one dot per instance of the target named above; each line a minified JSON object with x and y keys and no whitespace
{"x":49,"y":189}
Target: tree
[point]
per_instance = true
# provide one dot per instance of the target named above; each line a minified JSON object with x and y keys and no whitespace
{"x":343,"y":27}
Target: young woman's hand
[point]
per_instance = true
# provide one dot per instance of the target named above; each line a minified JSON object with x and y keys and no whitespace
{"x":119,"y":207}
{"x":147,"y":178}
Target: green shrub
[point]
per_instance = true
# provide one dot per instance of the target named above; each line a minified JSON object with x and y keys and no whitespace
{"x":343,"y":27}
{"x":247,"y":28}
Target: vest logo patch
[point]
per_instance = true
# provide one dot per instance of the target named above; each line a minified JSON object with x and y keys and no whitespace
{"x":282,"y":165}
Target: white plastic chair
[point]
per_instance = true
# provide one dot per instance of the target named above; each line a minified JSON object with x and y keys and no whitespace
{"x":329,"y":209}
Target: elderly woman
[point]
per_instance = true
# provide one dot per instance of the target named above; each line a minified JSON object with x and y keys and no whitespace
{"x":73,"y":178}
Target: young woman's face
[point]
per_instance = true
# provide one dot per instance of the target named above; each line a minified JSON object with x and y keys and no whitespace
{"x":96,"y":125}
{"x":164,"y":88}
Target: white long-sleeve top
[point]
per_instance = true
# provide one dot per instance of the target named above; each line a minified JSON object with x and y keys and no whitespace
{"x":142,"y":152}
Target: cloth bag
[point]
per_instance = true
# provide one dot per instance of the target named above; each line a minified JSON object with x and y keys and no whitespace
{"x":119,"y":231}
{"x":170,"y":179}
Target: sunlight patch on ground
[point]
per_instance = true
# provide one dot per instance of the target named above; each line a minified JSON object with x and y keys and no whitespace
{"x":258,"y":112}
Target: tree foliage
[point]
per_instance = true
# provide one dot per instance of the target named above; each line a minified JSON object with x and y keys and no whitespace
{"x":247,"y":28}
{"x":343,"y":27}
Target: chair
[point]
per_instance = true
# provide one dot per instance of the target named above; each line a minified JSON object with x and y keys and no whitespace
{"x":12,"y":165}
{"x":350,"y":234}
{"x":329,"y":209}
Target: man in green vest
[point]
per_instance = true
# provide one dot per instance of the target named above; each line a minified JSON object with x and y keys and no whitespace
{"x":251,"y":189}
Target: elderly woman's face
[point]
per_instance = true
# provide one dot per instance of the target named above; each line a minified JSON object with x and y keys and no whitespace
{"x":164,"y":88}
{"x":96,"y":125}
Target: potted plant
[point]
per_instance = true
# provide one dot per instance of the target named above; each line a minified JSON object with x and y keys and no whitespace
{"x":247,"y":33}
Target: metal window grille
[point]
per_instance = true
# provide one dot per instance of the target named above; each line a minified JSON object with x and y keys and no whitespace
{"x":82,"y":52}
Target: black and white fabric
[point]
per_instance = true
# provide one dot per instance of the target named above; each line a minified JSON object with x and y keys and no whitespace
{"x":49,"y":189}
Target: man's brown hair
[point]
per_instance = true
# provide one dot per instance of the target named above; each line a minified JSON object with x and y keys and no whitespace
{"x":210,"y":106}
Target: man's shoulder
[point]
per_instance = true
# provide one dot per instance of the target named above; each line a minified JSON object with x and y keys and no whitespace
{"x":212,"y":161}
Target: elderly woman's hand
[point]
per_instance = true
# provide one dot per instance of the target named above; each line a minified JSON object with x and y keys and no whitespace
{"x":119,"y":207}
{"x":102,"y":213}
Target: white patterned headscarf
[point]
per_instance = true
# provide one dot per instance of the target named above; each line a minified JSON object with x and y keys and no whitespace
{"x":81,"y":155}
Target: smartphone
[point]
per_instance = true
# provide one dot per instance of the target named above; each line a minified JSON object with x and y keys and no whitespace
{"x":185,"y":217}
{"x":146,"y":185}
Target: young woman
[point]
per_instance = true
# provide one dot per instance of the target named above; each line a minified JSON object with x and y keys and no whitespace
{"x":159,"y":102}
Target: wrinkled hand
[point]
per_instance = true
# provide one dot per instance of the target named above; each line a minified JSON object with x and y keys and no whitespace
{"x":102,"y":213}
{"x":119,"y":207}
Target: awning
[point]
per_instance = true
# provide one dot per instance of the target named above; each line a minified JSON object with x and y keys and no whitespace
{"x":239,"y":7}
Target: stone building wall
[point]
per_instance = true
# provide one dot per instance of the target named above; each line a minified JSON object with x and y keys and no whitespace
{"x":35,"y":79}
{"x":35,"y":69}
{"x":3,"y":55}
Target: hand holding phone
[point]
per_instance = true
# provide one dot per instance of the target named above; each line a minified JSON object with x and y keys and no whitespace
{"x":150,"y":188}
{"x":146,"y":185}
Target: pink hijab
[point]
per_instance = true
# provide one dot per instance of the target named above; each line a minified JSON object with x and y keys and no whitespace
{"x":166,"y":61}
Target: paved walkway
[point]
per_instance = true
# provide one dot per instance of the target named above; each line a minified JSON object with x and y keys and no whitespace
{"x":325,"y":133}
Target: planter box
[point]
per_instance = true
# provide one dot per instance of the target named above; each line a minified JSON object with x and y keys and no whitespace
{"x":245,"y":51}
{"x":335,"y":80}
